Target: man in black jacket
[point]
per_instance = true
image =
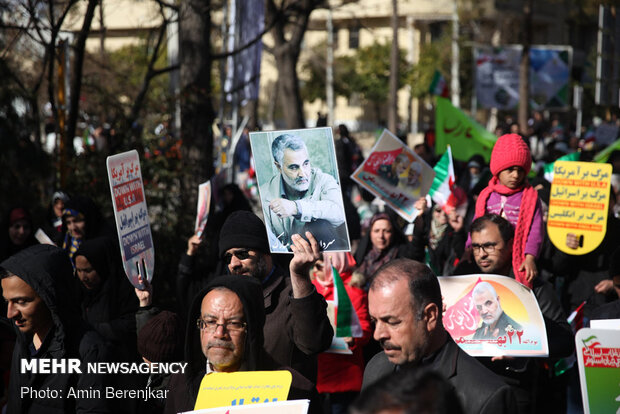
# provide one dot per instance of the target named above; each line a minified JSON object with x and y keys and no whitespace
{"x":225,"y":334}
{"x":36,"y":283}
{"x":492,"y":238}
{"x":296,"y":327}
{"x":405,"y":305}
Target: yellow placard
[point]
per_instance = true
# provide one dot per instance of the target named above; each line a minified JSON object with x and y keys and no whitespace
{"x":223,"y":389}
{"x":578,"y":204}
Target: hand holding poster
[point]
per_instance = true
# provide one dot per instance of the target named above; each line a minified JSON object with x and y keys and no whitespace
{"x":492,"y":315}
{"x":131,"y":214}
{"x":598,"y":356}
{"x":578,"y":205}
{"x":202,"y":211}
{"x":299,"y":188}
{"x":395,"y":174}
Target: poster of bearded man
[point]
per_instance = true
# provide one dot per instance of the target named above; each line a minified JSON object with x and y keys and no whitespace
{"x":299,"y":188}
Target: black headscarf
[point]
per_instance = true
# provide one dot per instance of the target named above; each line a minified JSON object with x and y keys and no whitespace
{"x":250,"y":293}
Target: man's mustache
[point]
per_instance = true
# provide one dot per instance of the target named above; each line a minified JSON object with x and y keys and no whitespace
{"x":221,"y":344}
{"x":388,"y":346}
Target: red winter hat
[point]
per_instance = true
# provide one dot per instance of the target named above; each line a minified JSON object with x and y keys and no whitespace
{"x":510,"y":150}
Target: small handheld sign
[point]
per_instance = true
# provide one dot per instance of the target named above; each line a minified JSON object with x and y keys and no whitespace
{"x":202,"y":210}
{"x":131,"y":215}
{"x":222,"y":389}
{"x":578,"y":204}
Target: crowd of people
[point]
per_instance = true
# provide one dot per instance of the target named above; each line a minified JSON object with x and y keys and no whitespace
{"x":240,"y":308}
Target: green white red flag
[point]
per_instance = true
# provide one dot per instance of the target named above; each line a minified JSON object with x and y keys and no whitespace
{"x":439,"y":86}
{"x":442,"y":186}
{"x":347,"y":321}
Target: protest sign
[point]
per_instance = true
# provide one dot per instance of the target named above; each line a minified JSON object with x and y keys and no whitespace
{"x":578,"y":204}
{"x":202,"y":211}
{"x":598,"y":357}
{"x":279,"y":407}
{"x":395,"y":174}
{"x":222,"y":389}
{"x":492,"y":315}
{"x":299,"y":187}
{"x":131,"y":214}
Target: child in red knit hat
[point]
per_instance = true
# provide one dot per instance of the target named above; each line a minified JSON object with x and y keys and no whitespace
{"x":511,"y":196}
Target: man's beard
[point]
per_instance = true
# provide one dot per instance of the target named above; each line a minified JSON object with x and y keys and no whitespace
{"x":298,"y":184}
{"x":496,"y":316}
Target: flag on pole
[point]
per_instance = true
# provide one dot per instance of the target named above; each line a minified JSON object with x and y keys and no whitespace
{"x":466,"y":136}
{"x":347,"y":321}
{"x":603,"y":155}
{"x":439,"y":86}
{"x":575,"y":320}
{"x":548,"y":168}
{"x":444,"y":179}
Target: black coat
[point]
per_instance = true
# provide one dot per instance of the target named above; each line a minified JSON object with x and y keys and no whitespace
{"x":111,"y":308}
{"x":183,"y":389}
{"x":47,"y":270}
{"x":480,"y":390}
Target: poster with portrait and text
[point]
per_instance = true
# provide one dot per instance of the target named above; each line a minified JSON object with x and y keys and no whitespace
{"x":299,"y":188}
{"x":395,"y":174}
{"x":493,"y":315}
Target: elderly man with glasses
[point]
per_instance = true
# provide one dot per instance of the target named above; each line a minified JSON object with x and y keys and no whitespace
{"x":296,"y":327}
{"x":225,"y":334}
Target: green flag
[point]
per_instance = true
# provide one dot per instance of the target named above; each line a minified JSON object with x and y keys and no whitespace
{"x":603,"y":155}
{"x":463,"y":134}
{"x":548,"y":168}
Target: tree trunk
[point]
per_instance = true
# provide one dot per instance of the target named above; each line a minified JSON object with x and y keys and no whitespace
{"x":289,"y":26}
{"x":524,"y":67}
{"x":76,"y":74}
{"x":197,"y":113}
{"x":394,"y":60}
{"x":292,"y":106}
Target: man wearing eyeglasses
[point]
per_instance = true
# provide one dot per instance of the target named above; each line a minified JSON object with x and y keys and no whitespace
{"x":491,"y":241}
{"x":296,"y":327}
{"x":225,"y":334}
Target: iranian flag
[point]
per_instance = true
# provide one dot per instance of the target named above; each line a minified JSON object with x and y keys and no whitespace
{"x":443,"y":184}
{"x":439,"y":86}
{"x":347,"y":321}
{"x":548,"y":168}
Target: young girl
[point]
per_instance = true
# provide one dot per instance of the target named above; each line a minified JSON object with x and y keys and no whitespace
{"x":511,"y":196}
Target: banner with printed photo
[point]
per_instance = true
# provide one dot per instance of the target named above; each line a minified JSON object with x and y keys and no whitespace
{"x":395,"y":174}
{"x":578,"y":204}
{"x":131,"y":214}
{"x":598,"y":357}
{"x":497,"y":76}
{"x":492,"y":315}
{"x":299,"y":187}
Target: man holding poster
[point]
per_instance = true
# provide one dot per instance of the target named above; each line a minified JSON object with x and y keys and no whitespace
{"x":492,"y":238}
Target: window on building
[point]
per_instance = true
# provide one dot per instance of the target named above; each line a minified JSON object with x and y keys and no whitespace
{"x":335,"y":35}
{"x":354,"y":37}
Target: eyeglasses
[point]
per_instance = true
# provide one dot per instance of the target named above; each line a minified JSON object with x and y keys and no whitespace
{"x":488,"y":247}
{"x":240,"y":254}
{"x":211,"y":325}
